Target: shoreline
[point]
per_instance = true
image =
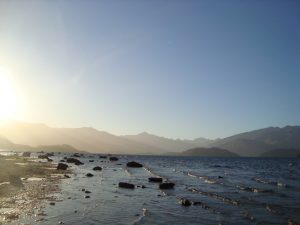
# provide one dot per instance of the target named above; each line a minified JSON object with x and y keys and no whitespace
{"x":26,"y":186}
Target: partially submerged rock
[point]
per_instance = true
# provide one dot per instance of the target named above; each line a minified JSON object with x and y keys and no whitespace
{"x":75,"y":161}
{"x":126,"y":185}
{"x":168,"y":185}
{"x":155,"y":179}
{"x":113,"y":158}
{"x":62,"y":166}
{"x":134,"y":164}
{"x":99,"y":168}
{"x":185,"y":202}
{"x":89,"y":175}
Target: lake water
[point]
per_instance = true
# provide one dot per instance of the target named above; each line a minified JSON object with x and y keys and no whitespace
{"x":226,"y":191}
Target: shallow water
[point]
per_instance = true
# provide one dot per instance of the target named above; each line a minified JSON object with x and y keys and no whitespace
{"x":228,"y":191}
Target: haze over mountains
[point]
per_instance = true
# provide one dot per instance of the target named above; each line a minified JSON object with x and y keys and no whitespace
{"x":21,"y":135}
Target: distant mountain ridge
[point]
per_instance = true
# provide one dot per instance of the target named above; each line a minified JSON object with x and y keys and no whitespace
{"x":253,"y":143}
{"x":208,"y":152}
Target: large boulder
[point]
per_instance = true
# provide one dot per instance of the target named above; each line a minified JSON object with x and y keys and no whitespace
{"x":166,"y":185}
{"x":99,"y":168}
{"x":155,"y":179}
{"x":126,"y":185}
{"x":134,"y":164}
{"x":62,"y":166}
{"x":73,"y":160}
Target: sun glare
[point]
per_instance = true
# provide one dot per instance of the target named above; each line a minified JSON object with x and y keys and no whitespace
{"x":8,"y":98}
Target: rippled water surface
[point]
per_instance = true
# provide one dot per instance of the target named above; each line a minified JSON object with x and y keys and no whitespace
{"x":226,"y":191}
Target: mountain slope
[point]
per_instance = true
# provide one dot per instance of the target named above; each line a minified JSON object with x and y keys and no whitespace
{"x":88,"y":139}
{"x":165,"y":144}
{"x":208,"y":152}
{"x":256,"y":142}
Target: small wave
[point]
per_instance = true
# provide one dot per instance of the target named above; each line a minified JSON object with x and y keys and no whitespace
{"x":254,"y":189}
{"x":215,"y":196}
{"x":145,"y":213}
{"x":274,"y":183}
{"x":204,"y":178}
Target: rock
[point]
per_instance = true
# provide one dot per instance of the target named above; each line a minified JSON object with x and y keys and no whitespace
{"x":293,"y":222}
{"x":89,"y":175}
{"x":185,"y":202}
{"x":62,"y":160}
{"x":91,"y":160}
{"x":166,"y":185}
{"x":43,"y":156}
{"x":113,"y":158}
{"x":62,"y":166}
{"x":87,"y":192}
{"x":26,"y":154}
{"x":52,"y":203}
{"x":87,"y":196}
{"x":155,"y":179}
{"x":49,"y":160}
{"x":103,"y":157}
{"x":126,"y":185}
{"x":220,"y":177}
{"x":99,"y":168}
{"x":83,"y":189}
{"x":134,"y":164}
{"x":66,"y":176}
{"x":76,"y":155}
{"x":73,"y":160}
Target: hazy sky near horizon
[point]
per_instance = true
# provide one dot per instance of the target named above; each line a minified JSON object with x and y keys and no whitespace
{"x":181,"y":69}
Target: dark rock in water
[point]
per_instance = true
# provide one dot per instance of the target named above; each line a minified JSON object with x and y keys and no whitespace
{"x":76,"y":155}
{"x":49,"y":160}
{"x":62,"y":160}
{"x":50,"y":154}
{"x":99,"y":168}
{"x":91,"y":160}
{"x":73,"y":160}
{"x":62,"y":166}
{"x":67,"y":176}
{"x":293,"y":222}
{"x":15,"y":181}
{"x":220,"y":177}
{"x":185,"y":202}
{"x":87,"y":196}
{"x":26,"y":154}
{"x":126,"y":185}
{"x":155,"y":179}
{"x":52,"y":203}
{"x":87,"y":192}
{"x":143,"y":186}
{"x":83,"y":189}
{"x":113,"y":158}
{"x":43,"y":156}
{"x":103,"y":157}
{"x":166,"y":185}
{"x":89,"y":175}
{"x":134,"y":164}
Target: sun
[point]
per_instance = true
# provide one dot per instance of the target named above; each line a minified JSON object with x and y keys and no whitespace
{"x":8,"y":98}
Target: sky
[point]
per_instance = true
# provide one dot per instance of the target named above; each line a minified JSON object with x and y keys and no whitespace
{"x":179,"y":69}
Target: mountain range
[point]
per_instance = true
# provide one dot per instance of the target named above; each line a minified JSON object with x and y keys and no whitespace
{"x":262,"y":142}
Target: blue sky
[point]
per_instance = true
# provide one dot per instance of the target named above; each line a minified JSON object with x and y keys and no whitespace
{"x":180,"y":69}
